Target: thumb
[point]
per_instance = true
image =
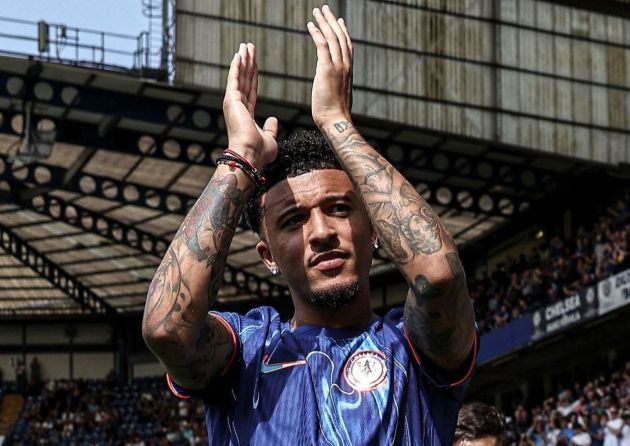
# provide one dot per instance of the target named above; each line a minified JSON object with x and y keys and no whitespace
{"x":271,"y":127}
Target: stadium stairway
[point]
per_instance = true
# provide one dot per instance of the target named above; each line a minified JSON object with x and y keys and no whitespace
{"x":10,"y":410}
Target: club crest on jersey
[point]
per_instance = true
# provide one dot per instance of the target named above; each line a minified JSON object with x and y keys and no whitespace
{"x":365,"y":370}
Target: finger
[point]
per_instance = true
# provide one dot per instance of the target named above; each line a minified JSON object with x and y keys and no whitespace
{"x":253,"y":92}
{"x":242,"y":52}
{"x":331,"y":38}
{"x":247,"y":81}
{"x":342,"y":25}
{"x":271,"y":127}
{"x":323,"y":53}
{"x":341,"y":37}
{"x":251,"y":67}
{"x":233,"y":74}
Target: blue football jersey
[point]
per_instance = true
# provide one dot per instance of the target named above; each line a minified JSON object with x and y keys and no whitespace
{"x":323,"y":386}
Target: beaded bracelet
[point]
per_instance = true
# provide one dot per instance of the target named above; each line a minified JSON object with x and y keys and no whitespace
{"x":233,"y":160}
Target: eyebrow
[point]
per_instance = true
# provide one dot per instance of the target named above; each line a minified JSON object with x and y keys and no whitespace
{"x":331,"y":198}
{"x":338,"y":197}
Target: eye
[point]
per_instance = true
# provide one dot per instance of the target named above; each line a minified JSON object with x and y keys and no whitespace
{"x":341,"y":209}
{"x":293,"y":220}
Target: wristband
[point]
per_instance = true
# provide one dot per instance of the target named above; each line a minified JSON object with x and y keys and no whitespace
{"x":244,"y":160}
{"x":233,"y":160}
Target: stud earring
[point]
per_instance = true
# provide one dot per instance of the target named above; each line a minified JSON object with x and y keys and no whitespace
{"x":375,"y":243}
{"x":274,"y":270}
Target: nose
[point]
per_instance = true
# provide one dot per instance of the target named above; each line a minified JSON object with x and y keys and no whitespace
{"x":321,"y":229}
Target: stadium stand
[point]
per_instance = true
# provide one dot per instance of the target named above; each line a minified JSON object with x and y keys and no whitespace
{"x":554,"y":269}
{"x":595,"y":412}
{"x":99,"y":412}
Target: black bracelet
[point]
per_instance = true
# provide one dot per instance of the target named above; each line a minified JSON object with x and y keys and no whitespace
{"x":233,"y":162}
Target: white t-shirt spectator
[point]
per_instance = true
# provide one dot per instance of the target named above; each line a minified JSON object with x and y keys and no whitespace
{"x":552,"y":436}
{"x":581,"y":439}
{"x":612,"y":429}
{"x":625,"y":435}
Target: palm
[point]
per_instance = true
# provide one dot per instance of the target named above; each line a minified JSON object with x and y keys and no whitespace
{"x":246,"y":131}
{"x":239,"y":105}
{"x":332,"y":85}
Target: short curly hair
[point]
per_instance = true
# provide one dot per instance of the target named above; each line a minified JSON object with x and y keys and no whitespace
{"x":478,"y":420}
{"x":301,"y":152}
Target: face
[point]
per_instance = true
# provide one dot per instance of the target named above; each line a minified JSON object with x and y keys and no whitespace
{"x":317,"y":233}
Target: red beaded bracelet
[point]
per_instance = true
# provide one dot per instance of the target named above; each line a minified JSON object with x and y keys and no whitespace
{"x":233,"y":160}
{"x":240,"y":157}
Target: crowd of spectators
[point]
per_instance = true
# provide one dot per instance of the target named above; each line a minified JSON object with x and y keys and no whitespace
{"x":99,"y":412}
{"x":595,"y":413}
{"x":144,"y":413}
{"x":554,"y":269}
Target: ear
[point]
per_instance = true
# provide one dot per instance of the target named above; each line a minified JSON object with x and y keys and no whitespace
{"x":262,"y":248}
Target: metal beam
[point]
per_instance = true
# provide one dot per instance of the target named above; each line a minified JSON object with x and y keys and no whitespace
{"x":148,"y":103}
{"x":143,"y":241}
{"x":608,"y":7}
{"x":435,"y":192}
{"x":50,"y":271}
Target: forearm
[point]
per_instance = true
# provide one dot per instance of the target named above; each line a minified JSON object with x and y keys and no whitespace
{"x":175,"y":324}
{"x":438,"y":313}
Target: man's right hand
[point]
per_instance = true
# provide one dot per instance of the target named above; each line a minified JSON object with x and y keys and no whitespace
{"x":245,"y":137}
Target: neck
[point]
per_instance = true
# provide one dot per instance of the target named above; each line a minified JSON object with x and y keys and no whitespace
{"x":359,"y":312}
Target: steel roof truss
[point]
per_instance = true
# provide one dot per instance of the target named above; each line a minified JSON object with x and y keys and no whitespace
{"x":50,"y":271}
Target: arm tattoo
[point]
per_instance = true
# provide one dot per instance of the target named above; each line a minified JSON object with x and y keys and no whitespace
{"x":188,"y":280}
{"x":213,"y":348}
{"x":341,"y":126}
{"x":438,"y":316}
{"x":211,"y":216}
{"x":163,"y":292}
{"x":406,"y":224}
{"x":394,"y":248}
{"x":423,"y":290}
{"x":434,"y":315}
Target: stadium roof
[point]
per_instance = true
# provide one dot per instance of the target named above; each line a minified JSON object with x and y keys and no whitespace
{"x":83,"y":228}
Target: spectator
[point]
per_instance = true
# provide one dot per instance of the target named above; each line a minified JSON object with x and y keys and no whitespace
{"x":479,"y":424}
{"x":625,"y":430}
{"x":612,"y":431}
{"x":595,"y":428}
{"x":581,"y":437}
{"x":536,"y":433}
{"x":36,"y":372}
{"x":553,"y":431}
{"x":20,"y":376}
{"x":567,"y":431}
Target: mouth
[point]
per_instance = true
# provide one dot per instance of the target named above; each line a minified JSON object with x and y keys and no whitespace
{"x":329,"y":260}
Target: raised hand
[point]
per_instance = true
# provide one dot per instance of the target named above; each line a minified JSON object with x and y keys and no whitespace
{"x":244,"y":135}
{"x":331,"y":99}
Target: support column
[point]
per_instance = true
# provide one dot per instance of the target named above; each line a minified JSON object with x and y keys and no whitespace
{"x":121,"y":360}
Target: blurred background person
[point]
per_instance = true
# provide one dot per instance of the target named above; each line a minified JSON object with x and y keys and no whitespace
{"x":480,"y":424}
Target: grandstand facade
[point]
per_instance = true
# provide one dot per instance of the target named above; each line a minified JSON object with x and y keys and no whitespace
{"x":511,"y":117}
